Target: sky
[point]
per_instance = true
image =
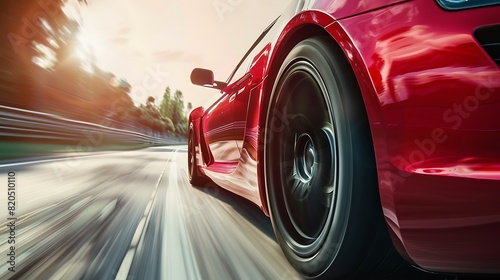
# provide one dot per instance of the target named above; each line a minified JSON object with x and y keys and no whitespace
{"x":156,"y":43}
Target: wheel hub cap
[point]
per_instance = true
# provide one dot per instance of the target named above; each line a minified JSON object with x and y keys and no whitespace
{"x":305,"y":158}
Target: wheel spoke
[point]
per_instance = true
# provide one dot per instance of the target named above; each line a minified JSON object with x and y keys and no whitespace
{"x":305,"y":157}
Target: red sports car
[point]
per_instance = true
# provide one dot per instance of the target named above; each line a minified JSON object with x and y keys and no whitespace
{"x":363,"y":128}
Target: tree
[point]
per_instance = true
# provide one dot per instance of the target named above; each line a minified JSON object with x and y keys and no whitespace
{"x":172,"y":108}
{"x":169,"y":125}
{"x":178,"y":108}
{"x":151,"y":100}
{"x":165,"y":105}
{"x":29,"y":44}
{"x":42,"y":71}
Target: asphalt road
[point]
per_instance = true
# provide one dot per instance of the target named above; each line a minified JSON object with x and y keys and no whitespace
{"x":130,"y":215}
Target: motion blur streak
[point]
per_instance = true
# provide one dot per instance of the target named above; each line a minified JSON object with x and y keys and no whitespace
{"x":81,"y":224}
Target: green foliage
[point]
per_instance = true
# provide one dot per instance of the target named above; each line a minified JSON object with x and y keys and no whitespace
{"x":169,"y":125}
{"x":165,"y":105}
{"x":172,"y":108}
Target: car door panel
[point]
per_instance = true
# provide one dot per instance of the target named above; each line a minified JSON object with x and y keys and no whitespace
{"x":219,"y":132}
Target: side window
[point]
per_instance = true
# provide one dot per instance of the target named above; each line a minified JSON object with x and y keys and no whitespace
{"x":243,"y":66}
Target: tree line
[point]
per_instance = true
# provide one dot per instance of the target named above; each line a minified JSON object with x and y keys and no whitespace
{"x":169,"y":115}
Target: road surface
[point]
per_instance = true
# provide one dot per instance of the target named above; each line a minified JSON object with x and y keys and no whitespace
{"x":130,"y":215}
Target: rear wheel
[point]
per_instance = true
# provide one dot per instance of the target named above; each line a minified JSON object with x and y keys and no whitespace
{"x":194,"y":177}
{"x":320,"y":169}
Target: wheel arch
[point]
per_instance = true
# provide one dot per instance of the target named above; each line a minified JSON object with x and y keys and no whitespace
{"x":194,"y":121}
{"x":306,"y":25}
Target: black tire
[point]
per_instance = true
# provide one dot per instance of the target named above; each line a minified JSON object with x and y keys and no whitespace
{"x":320,"y":169}
{"x":194,"y":177}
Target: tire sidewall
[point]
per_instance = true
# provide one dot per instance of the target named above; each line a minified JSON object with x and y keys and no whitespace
{"x":316,"y":52}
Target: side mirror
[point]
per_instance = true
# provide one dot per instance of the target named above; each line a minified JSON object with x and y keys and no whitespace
{"x":205,"y":78}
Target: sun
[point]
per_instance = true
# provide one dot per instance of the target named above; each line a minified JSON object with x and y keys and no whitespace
{"x":84,"y":37}
{"x":86,"y":41}
{"x":86,"y":51}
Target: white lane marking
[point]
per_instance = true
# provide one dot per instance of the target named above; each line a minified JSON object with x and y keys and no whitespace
{"x":148,"y":207}
{"x":139,"y":232}
{"x":126,"y":264}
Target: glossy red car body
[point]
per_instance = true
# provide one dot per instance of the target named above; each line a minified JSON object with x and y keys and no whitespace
{"x":432,"y":95}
